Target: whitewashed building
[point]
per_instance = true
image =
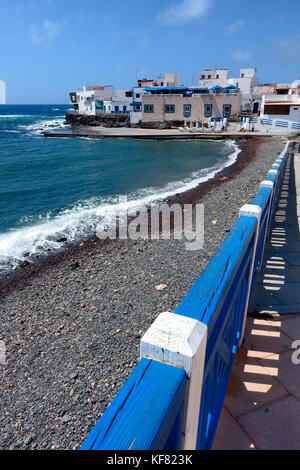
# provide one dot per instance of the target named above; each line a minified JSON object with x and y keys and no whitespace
{"x":280,"y":111}
{"x":209,"y":78}
{"x":89,"y":100}
{"x":246,"y":83}
{"x":2,"y":92}
{"x":119,"y":104}
{"x":136,"y":105}
{"x":168,"y":79}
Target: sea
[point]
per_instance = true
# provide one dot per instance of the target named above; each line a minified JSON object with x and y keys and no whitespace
{"x":61,"y":188}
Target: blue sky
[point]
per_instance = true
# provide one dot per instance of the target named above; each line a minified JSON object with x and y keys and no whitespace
{"x":51,"y":47}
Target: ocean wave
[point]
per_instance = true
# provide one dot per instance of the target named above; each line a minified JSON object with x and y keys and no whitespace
{"x":39,"y":127}
{"x":13,"y":116}
{"x":81,"y":220}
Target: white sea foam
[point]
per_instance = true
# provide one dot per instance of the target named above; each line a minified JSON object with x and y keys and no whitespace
{"x":39,"y":127}
{"x":2,"y":116}
{"x":81,"y":220}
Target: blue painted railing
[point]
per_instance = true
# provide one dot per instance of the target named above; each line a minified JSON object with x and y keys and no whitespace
{"x":148,"y":412}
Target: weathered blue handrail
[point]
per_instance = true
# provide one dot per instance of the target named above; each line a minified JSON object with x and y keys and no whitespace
{"x":199,"y":341}
{"x":146,"y":413}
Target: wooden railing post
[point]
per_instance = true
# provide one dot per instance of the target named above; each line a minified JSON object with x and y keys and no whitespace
{"x":180,"y":341}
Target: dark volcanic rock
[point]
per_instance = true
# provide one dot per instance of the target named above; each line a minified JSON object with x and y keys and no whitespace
{"x":72,"y":334}
{"x":105,"y":120}
{"x":62,"y":240}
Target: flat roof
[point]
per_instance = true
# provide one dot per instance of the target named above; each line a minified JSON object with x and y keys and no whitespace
{"x":178,"y":88}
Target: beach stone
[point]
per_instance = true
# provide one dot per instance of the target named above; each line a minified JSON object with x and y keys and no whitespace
{"x":74,"y":375}
{"x":66,"y":418}
{"x":161,"y":287}
{"x":28,"y":440}
{"x":74,"y":320}
{"x":75,"y":265}
{"x":25,"y":263}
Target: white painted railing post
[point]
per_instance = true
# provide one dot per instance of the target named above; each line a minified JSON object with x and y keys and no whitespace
{"x":267,"y":184}
{"x":180,"y":341}
{"x":275,"y":188}
{"x":250,"y":210}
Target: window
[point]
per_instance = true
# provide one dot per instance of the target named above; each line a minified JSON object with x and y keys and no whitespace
{"x":187,"y":110}
{"x":203,"y":77}
{"x":138,"y":95}
{"x":207,"y":110}
{"x":279,"y":109}
{"x":209,"y":76}
{"x":136,"y":108}
{"x":226,"y":110}
{"x":283,"y":92}
{"x":217,"y":76}
{"x":124,"y":109}
{"x":148,"y":108}
{"x":116,"y":109}
{"x":169,"y":108}
{"x":242,"y":75}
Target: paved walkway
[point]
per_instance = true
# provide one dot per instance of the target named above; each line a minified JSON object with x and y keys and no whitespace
{"x":128,"y":132}
{"x":262,"y":406}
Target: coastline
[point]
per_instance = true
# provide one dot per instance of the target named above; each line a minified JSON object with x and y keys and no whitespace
{"x":72,"y":323}
{"x":27,"y":269}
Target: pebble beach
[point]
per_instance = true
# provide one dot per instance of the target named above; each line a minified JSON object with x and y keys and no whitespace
{"x":72,"y":326}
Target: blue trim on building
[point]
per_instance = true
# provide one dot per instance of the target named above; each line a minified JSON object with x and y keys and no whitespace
{"x":208,"y":110}
{"x":148,"y":108}
{"x":187,"y":108}
{"x":282,"y":123}
{"x":226,"y":114}
{"x":266,"y":121}
{"x":169,"y":108}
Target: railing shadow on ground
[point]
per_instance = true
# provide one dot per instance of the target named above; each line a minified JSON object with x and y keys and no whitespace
{"x":174,"y":396}
{"x":278,"y":284}
{"x":262,"y":399}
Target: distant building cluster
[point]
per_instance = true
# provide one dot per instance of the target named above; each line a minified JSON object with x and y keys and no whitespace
{"x":217,"y":95}
{"x":2,"y":92}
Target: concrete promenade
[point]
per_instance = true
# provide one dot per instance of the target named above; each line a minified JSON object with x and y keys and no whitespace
{"x":262,"y":406}
{"x":138,"y":133}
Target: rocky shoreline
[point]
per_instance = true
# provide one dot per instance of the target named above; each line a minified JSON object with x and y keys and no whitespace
{"x":104,"y":120}
{"x":72,"y":324}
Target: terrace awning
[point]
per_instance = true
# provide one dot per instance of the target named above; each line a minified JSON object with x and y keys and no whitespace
{"x":217,"y":87}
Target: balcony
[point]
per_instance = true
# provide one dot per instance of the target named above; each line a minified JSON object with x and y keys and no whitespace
{"x":282,"y":98}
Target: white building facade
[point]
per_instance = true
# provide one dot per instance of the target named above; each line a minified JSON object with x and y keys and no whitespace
{"x":89,"y":99}
{"x":209,"y":78}
{"x":280,"y":111}
{"x":246,"y":83}
{"x":119,"y":104}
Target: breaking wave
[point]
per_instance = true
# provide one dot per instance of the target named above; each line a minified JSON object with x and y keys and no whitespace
{"x":45,"y":233}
